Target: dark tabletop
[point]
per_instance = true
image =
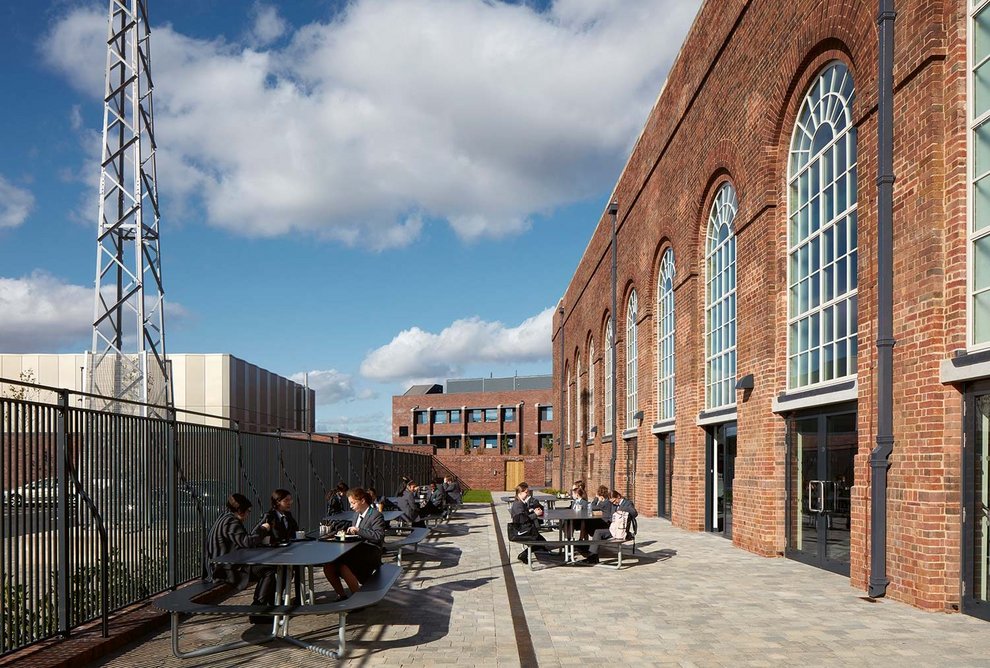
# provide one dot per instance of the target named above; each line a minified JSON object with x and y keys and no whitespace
{"x":568,"y":514}
{"x":298,"y":553}
{"x":348,"y":516}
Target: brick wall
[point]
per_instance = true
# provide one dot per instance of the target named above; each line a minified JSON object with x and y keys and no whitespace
{"x":482,"y":471}
{"x":525,"y":428}
{"x":727,"y":114}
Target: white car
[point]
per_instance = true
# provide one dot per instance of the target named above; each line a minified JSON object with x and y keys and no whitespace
{"x":41,"y":492}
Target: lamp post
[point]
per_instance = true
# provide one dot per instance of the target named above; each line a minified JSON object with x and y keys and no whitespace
{"x":613,"y":211}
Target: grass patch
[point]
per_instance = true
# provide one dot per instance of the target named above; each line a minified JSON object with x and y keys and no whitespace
{"x":477,"y":496}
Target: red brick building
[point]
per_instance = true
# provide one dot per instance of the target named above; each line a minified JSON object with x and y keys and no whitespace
{"x":748,"y":297}
{"x":490,"y":432}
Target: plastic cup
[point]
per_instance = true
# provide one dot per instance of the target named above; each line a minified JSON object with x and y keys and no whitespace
{"x":300,"y":535}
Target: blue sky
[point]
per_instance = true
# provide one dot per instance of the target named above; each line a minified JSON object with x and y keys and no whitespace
{"x":376,"y":192}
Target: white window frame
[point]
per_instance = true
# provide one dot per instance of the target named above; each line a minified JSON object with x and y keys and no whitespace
{"x":665,"y":337}
{"x":974,"y":122}
{"x":720,"y":313}
{"x":815,"y":221}
{"x":570,"y":415}
{"x":591,"y":385}
{"x":632,"y":359}
{"x":609,"y":366}
{"x":577,"y":396}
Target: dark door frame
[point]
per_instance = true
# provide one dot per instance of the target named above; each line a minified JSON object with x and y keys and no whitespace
{"x":664,"y":441}
{"x":969,"y":603}
{"x":821,"y":413}
{"x":710,"y":465}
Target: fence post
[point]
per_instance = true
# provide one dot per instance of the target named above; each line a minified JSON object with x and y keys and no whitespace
{"x":62,"y":519}
{"x":171,"y":511}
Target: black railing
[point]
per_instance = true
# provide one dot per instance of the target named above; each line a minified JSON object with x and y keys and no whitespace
{"x":101,"y":510}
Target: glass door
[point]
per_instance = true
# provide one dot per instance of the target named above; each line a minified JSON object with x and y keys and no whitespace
{"x":665,"y":474}
{"x":976,"y":503}
{"x":821,"y":456}
{"x":721,"y":460}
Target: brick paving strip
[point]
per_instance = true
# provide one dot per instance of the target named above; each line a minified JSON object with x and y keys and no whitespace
{"x":692,"y":600}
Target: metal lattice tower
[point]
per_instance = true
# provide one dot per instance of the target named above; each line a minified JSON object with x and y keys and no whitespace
{"x":128,"y":355}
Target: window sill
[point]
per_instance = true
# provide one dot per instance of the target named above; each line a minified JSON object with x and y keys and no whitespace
{"x":716,"y":416}
{"x":836,"y":393}
{"x":630,"y":433}
{"x":963,"y":367}
{"x":664,"y":427}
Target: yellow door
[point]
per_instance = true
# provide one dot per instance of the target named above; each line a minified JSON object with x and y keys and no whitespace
{"x":515,"y":473}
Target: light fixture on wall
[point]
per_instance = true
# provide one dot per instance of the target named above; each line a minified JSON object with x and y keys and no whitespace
{"x":745,"y":382}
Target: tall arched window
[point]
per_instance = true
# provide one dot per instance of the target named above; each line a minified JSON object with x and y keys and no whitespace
{"x":579,"y":401}
{"x":821,"y":235}
{"x":720,"y":301}
{"x":591,"y":384}
{"x":632,"y":360}
{"x":665,"y":337}
{"x":978,"y":108}
{"x":567,"y":408}
{"x":609,"y":334}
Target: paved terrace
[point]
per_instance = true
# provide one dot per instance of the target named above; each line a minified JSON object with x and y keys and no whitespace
{"x":695,"y":601}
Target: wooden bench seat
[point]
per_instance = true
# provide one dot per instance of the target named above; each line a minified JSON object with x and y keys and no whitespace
{"x":182,"y":602}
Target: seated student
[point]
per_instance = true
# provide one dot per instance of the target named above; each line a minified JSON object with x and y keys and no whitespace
{"x":373,"y":493}
{"x":408,"y":506}
{"x":579,"y":502}
{"x":453,"y":491}
{"x":360,"y":563}
{"x":279,"y":518}
{"x":619,"y":503}
{"x":227,"y":534}
{"x":337,"y":499}
{"x":436,"y":500}
{"x":526,"y":518}
{"x":603,"y":503}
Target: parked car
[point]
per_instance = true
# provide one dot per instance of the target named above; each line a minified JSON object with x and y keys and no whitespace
{"x":40,"y":492}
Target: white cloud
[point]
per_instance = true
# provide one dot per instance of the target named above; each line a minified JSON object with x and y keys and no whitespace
{"x":415,"y":355}
{"x":377,"y":426}
{"x":43,"y":313}
{"x":268,"y":25}
{"x":15,"y":204}
{"x":476,"y":112}
{"x":332,"y":386}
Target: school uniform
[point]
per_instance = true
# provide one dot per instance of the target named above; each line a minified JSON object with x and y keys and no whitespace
{"x":624,"y":505}
{"x":366,"y":558}
{"x":226,"y":535}
{"x":409,"y":509}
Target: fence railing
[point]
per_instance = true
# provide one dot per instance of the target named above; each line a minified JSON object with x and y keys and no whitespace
{"x":101,"y":510}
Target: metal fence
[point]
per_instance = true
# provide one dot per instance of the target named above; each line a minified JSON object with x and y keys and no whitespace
{"x":102,"y":510}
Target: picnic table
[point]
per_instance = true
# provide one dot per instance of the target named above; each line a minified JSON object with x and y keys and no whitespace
{"x":566,"y":517}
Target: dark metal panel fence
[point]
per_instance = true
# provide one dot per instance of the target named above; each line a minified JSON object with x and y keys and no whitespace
{"x":101,"y":510}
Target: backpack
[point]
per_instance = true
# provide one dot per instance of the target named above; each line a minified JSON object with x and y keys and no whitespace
{"x":619,"y":527}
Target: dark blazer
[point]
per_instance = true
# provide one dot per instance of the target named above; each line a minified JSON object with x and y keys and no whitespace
{"x":606,"y":506}
{"x":226,"y":535}
{"x":372,"y":528}
{"x":280,"y":532}
{"x":337,"y":504}
{"x":453,"y":492}
{"x":627,"y":506}
{"x":408,"y":506}
{"x":524,"y":518}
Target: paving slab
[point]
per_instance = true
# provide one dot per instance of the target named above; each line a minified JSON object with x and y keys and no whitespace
{"x":689,"y":599}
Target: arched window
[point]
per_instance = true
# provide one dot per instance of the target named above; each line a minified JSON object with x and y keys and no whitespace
{"x":609,"y":334}
{"x":591,"y":384}
{"x":821,"y":235}
{"x":632,"y":360}
{"x":579,"y":400}
{"x":978,"y":108}
{"x":665,"y":337}
{"x":567,"y":407}
{"x":720,"y":301}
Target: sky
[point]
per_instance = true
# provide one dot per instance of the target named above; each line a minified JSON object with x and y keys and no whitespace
{"x":375,"y":193}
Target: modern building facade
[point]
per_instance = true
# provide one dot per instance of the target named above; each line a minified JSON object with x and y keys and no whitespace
{"x":505,"y":425}
{"x":755,"y":313}
{"x":215,"y":384}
